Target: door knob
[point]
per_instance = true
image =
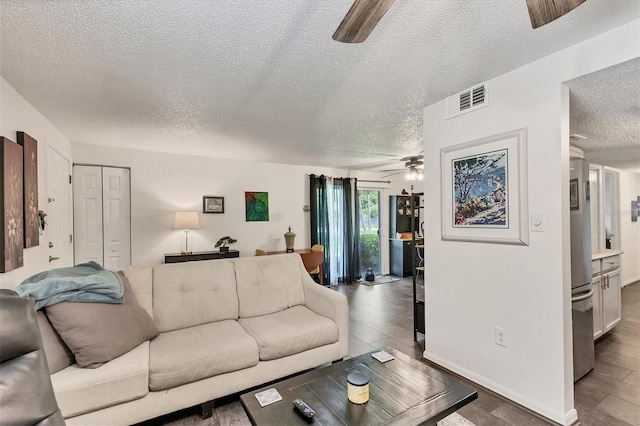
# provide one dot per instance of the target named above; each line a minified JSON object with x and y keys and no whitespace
{"x":50,"y":244}
{"x":51,"y":200}
{"x":52,"y":258}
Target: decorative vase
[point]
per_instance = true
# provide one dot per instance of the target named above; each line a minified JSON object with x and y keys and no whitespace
{"x":369,"y":276}
{"x":289,"y":238}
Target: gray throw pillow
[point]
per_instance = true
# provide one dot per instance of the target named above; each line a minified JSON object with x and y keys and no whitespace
{"x":58,"y":354}
{"x":99,"y":332}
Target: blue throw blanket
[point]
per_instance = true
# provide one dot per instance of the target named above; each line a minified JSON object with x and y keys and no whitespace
{"x":87,"y":282}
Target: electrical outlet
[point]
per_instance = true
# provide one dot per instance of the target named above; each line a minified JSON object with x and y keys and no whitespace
{"x":501,"y":337}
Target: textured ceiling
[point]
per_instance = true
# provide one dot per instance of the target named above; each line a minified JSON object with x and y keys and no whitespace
{"x":605,"y":108}
{"x":263,"y":80}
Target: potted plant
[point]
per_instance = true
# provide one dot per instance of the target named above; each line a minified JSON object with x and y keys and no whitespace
{"x":224,"y":242}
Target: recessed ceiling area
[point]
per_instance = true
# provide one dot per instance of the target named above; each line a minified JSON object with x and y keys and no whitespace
{"x":605,"y":108}
{"x":264,"y":80}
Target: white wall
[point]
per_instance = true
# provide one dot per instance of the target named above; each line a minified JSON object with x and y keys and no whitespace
{"x":472,"y":288}
{"x":629,"y":231}
{"x":16,"y":114}
{"x":162,"y":184}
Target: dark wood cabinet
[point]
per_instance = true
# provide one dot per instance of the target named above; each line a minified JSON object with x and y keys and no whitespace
{"x":400,"y":257}
{"x":199,"y":255}
{"x":401,"y":216}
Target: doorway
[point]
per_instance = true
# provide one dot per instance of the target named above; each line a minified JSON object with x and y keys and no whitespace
{"x":58,"y":209}
{"x":369,"y":230}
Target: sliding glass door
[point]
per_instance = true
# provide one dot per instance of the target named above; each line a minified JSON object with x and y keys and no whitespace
{"x":369,"y":230}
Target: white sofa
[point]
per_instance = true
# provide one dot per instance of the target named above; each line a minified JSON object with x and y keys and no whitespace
{"x":225,"y":326}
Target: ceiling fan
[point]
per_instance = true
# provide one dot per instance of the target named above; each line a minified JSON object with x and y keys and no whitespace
{"x":364,"y":15}
{"x":412,"y":168}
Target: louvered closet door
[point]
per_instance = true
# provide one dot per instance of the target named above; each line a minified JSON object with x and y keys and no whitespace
{"x":102,"y":215}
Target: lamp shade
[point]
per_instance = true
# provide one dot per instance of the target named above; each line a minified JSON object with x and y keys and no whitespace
{"x":186,"y":220}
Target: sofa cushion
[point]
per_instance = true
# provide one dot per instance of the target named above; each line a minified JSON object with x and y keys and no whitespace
{"x":268,"y":284}
{"x":195,"y":353}
{"x":194,"y":293}
{"x":99,"y":332}
{"x":59,"y":356}
{"x":290,"y":331}
{"x":140,"y":278}
{"x":80,"y":390}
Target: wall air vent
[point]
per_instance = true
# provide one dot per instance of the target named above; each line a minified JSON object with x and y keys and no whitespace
{"x":467,"y":101}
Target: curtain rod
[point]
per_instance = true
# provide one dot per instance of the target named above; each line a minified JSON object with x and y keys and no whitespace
{"x":374,"y":181}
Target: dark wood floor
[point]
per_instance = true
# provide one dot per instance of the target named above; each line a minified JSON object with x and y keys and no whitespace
{"x":381,"y":315}
{"x":610,"y":394}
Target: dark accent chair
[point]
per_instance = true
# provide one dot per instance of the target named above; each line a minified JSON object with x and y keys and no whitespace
{"x":26,"y":393}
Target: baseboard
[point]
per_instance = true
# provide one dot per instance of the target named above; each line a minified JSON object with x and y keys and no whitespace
{"x":571,"y":417}
{"x":562,"y":419}
{"x":631,"y":281}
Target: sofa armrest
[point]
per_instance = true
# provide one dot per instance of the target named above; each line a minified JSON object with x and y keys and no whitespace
{"x":330,"y":304}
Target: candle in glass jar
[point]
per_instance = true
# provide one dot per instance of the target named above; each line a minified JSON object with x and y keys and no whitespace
{"x":358,"y":388}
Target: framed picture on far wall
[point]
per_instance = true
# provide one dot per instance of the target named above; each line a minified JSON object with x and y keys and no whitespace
{"x":211,"y":204}
{"x":484,"y":190}
{"x":257,"y":206}
{"x":574,"y":196}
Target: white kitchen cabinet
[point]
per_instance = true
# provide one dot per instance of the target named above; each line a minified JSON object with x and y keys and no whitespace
{"x":611,"y":309}
{"x":607,"y":311}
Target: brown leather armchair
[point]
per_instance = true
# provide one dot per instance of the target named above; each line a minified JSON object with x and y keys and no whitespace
{"x":26,"y":393}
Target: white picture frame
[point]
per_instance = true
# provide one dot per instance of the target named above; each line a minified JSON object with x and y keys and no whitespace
{"x":484,"y":190}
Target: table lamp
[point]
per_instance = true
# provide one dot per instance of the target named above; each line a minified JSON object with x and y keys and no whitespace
{"x":186,"y":221}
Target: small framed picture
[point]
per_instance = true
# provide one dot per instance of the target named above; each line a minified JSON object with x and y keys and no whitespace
{"x":211,"y":204}
{"x":574,"y":195}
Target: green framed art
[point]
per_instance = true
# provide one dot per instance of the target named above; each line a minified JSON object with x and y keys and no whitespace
{"x":257,"y":206}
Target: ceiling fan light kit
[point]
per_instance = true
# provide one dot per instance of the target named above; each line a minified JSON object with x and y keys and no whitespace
{"x":411,"y":168}
{"x":414,"y":174}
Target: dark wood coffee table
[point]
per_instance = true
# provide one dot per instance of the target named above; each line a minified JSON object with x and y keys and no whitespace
{"x":403,"y":391}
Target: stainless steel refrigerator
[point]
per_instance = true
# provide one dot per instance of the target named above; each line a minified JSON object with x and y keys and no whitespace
{"x":581,"y":289}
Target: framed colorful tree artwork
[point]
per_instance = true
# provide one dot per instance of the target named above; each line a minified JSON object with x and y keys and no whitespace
{"x":257,"y":206}
{"x":484,"y":190}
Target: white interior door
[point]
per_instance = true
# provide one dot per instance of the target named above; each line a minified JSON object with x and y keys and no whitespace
{"x":87,"y":214}
{"x":58,"y":209}
{"x":116,"y":217}
{"x":102,"y":215}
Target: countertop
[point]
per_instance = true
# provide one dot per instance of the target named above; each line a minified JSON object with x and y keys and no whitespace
{"x":604,"y":253}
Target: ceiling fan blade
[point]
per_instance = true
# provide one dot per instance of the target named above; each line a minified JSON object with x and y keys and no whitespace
{"x":542,"y":12}
{"x":392,"y":174}
{"x":361,"y":20}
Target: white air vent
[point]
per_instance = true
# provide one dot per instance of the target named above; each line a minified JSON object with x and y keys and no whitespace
{"x":467,"y":101}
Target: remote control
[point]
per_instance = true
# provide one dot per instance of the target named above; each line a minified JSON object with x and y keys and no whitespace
{"x":303,"y":409}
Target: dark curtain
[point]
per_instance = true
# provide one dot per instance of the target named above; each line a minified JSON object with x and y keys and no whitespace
{"x":339,"y":229}
{"x":320,"y":218}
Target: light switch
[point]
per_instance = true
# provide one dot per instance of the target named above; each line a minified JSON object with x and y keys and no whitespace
{"x":537,"y":223}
